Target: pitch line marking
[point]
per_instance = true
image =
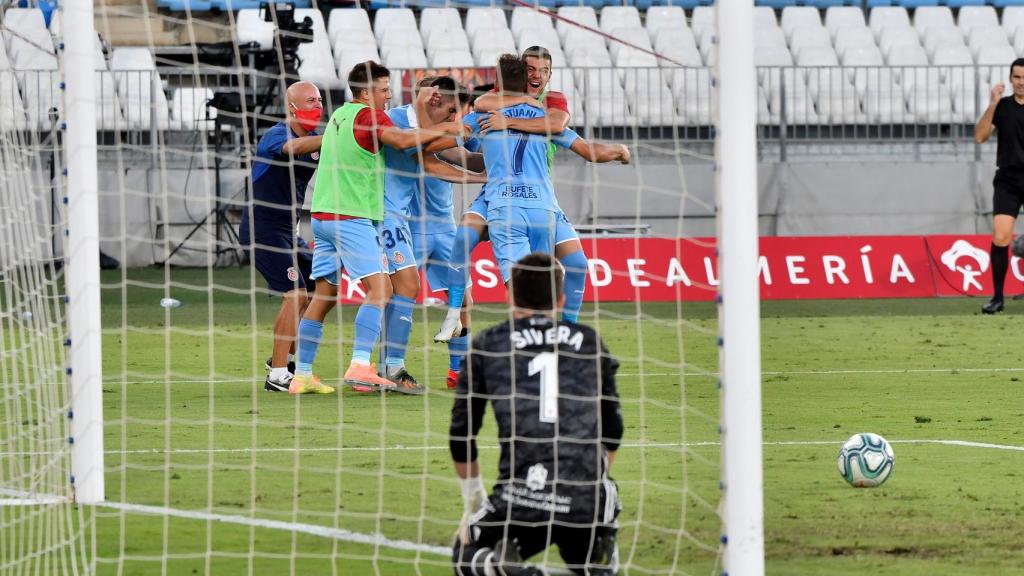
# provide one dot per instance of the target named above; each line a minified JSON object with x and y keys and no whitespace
{"x":312,"y":529}
{"x":838,"y":442}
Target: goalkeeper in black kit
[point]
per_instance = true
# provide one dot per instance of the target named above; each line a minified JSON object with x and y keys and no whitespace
{"x":552,"y":387}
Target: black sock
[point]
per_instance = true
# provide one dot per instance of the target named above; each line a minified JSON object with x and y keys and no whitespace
{"x":1000,"y":262}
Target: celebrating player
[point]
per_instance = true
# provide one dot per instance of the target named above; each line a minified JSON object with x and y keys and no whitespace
{"x":286,"y":157}
{"x":348,"y":203}
{"x":473,"y":228}
{"x":552,"y":386}
{"x":519,"y":186}
{"x":405,"y":181}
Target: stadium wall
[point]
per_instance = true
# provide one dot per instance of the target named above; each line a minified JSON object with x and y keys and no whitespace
{"x":141,"y":227}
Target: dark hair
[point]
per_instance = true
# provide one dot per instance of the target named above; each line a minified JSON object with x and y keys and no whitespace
{"x":536,"y":282}
{"x":536,"y":52}
{"x":364,"y":74}
{"x":447,"y":87}
{"x":511,"y":73}
{"x":1017,"y":62}
{"x":473,"y":93}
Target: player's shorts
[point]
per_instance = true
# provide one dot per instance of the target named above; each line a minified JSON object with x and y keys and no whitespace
{"x":588,"y":548}
{"x":516,"y":232}
{"x":1008,"y":191}
{"x":352,"y":244}
{"x":564,"y":230}
{"x":282,"y":258}
{"x":397,"y":240}
{"x":433,"y":253}
{"x":479,"y":205}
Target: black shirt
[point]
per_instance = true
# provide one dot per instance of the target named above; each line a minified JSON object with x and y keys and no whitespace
{"x":552,"y":387}
{"x":1009,"y":122}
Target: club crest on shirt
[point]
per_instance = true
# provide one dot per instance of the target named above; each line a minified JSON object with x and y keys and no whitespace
{"x":315,"y":155}
{"x":399,"y":258}
{"x":293,"y":274}
{"x":536,"y":477}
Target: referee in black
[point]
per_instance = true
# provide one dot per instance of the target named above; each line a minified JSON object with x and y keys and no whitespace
{"x":1005,"y":117}
{"x":552,"y":387}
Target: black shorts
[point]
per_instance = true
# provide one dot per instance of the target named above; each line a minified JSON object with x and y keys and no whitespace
{"x":1008,"y":191}
{"x":284,"y":260}
{"x":586,"y":548}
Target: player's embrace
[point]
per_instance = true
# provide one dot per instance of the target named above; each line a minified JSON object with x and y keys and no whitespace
{"x":552,"y":387}
{"x":347,"y":208}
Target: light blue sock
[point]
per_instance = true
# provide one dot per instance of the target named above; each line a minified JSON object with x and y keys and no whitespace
{"x":457,"y":348}
{"x":398,"y":323}
{"x":575,"y":265}
{"x":310,"y":334}
{"x":367,"y":331}
{"x":466,"y":240}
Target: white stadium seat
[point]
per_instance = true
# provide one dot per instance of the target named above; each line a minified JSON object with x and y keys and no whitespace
{"x":250,"y":27}
{"x":982,"y":36}
{"x":41,"y":92}
{"x":661,"y":17}
{"x":389,"y":19}
{"x":928,"y":16}
{"x":452,"y":40}
{"x":347,"y":21}
{"x":12,"y":107}
{"x":794,"y":17}
{"x":613,"y":17}
{"x":839,"y":17}
{"x":769,"y":37}
{"x":189,"y":110}
{"x":584,"y":15}
{"x":635,"y":36}
{"x":674,"y":38}
{"x":526,"y":19}
{"x":938,"y":36}
{"x":484,"y":19}
{"x":835,"y":97}
{"x":139,"y":88}
{"x":764,"y":17}
{"x":405,"y":57}
{"x":493,"y":40}
{"x":702,"y":21}
{"x":853,"y":36}
{"x":1013,"y":17}
{"x":349,"y":56}
{"x":883,"y":17}
{"x":897,"y":36}
{"x":971,"y":16}
{"x":805,"y":36}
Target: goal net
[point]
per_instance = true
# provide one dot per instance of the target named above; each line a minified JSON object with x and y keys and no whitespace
{"x":205,"y":471}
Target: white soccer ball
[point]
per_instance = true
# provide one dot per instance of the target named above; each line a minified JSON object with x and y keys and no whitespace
{"x":866,"y":460}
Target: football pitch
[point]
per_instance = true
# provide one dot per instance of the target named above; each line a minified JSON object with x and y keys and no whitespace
{"x":209,"y":474}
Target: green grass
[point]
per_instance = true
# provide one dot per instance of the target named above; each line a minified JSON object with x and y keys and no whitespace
{"x":190,"y":428}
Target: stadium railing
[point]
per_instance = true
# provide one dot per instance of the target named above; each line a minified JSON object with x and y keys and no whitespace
{"x":795,"y":104}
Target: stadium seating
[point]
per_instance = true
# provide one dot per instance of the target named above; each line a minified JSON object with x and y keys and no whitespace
{"x":139,"y":88}
{"x":820,"y":61}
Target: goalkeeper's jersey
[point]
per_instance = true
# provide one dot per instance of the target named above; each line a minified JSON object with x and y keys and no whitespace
{"x":552,"y":388}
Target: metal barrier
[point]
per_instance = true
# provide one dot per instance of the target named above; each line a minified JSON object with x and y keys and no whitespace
{"x":795,"y":104}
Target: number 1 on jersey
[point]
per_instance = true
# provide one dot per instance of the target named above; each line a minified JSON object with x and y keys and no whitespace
{"x":546,"y":364}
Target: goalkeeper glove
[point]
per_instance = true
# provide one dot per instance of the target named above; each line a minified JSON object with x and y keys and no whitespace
{"x":473,"y":496}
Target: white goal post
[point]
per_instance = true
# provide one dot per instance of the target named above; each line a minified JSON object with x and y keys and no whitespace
{"x":739,"y":314}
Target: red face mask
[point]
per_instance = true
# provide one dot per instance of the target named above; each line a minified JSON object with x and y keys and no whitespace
{"x":308,"y":119}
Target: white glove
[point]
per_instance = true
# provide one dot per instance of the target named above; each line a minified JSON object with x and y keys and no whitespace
{"x":473,"y":496}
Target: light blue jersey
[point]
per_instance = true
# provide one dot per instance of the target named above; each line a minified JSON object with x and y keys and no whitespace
{"x":431,"y":211}
{"x":517,"y":162}
{"x":402,"y":171}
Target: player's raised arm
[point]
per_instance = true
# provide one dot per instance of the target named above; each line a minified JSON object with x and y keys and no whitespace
{"x":449,"y":173}
{"x":985,"y":127}
{"x":599,"y":152}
